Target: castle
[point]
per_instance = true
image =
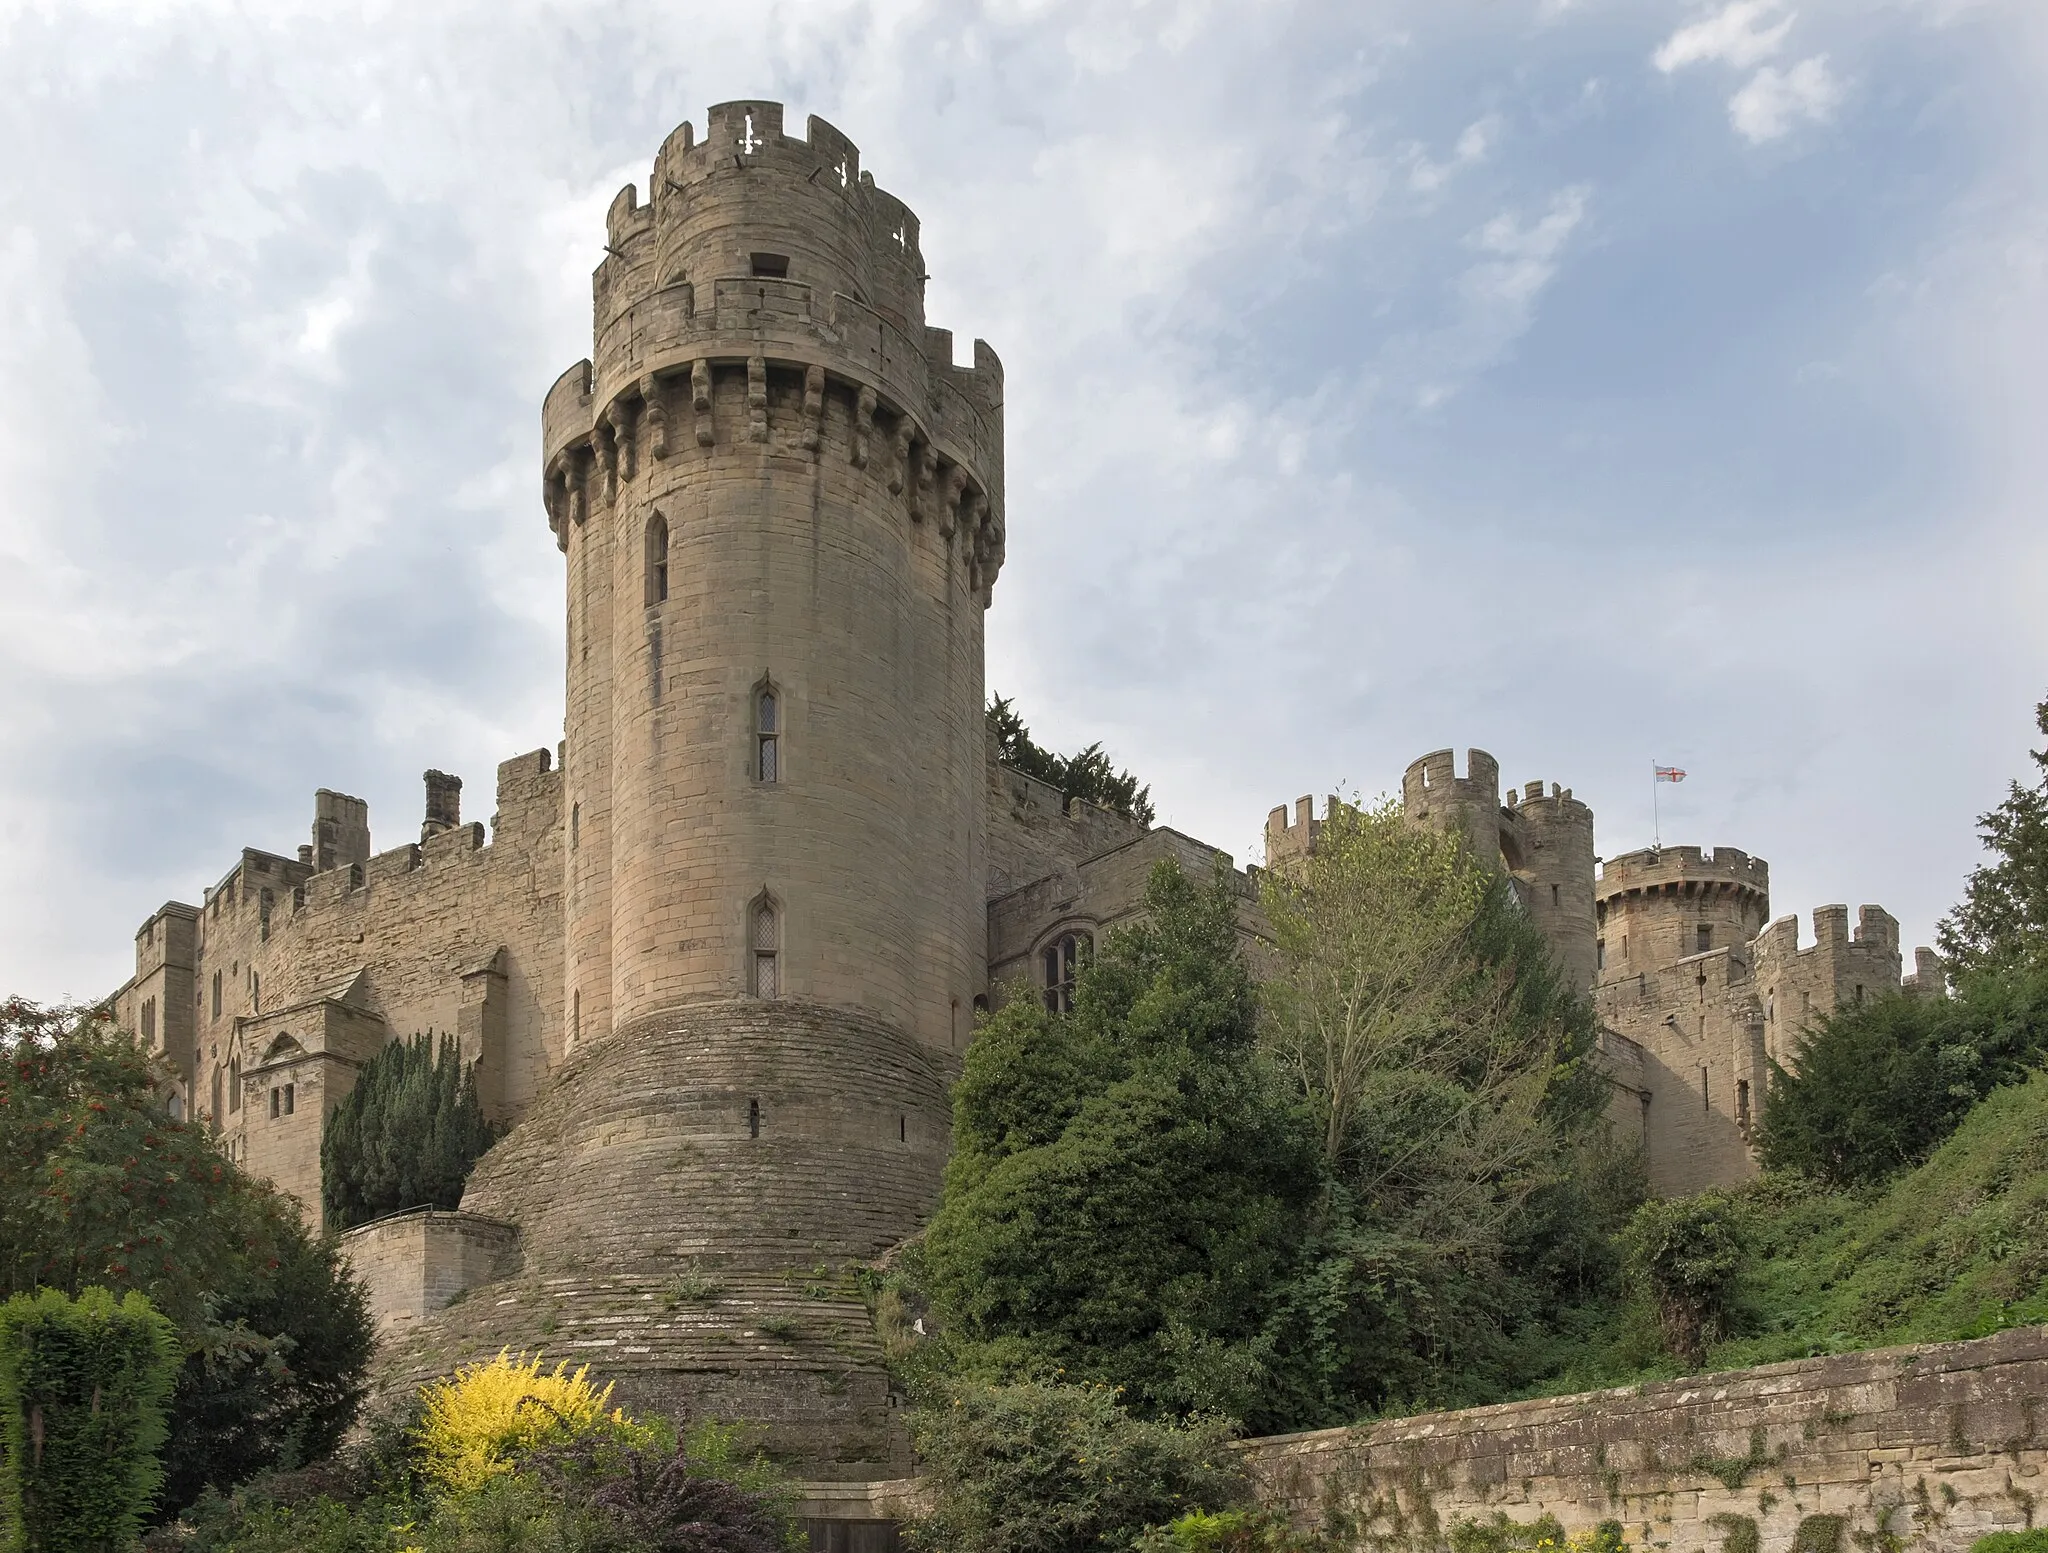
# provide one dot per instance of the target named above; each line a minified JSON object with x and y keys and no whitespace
{"x":715,"y":960}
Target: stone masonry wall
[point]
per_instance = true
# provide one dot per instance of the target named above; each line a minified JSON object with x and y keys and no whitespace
{"x":1699,"y":1027}
{"x":452,"y":935}
{"x":1097,"y":894}
{"x":414,"y":1264}
{"x":1891,"y":1450}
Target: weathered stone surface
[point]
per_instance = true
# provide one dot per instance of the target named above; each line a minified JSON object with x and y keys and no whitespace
{"x":1932,"y":1446}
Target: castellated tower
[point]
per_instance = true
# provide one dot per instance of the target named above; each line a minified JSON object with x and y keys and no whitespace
{"x":1659,"y":906}
{"x":1542,"y":840}
{"x":780,"y":506}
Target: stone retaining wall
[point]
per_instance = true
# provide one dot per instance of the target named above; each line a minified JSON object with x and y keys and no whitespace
{"x":1884,"y":1451}
{"x":422,"y":1261}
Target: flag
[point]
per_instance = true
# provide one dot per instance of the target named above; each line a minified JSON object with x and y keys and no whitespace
{"x":1669,"y":774}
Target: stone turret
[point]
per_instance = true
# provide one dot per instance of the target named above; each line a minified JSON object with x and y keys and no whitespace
{"x":1546,"y":843}
{"x":1661,"y":905}
{"x":780,"y":506}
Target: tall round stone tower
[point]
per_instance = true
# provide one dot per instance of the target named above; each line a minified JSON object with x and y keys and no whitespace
{"x":780,"y":504}
{"x":1658,"y":906}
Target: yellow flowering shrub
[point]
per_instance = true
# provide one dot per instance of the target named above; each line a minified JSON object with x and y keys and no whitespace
{"x":475,"y":1423}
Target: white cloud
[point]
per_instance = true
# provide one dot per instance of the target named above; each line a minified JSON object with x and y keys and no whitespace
{"x":1523,"y":257}
{"x":1426,"y":176}
{"x":1776,"y":101}
{"x":1739,"y":34}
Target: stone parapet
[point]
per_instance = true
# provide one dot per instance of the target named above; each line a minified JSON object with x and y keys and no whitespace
{"x":1926,"y":1447}
{"x":424,"y":1260}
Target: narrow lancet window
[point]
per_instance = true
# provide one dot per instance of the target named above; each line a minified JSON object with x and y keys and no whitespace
{"x":764,"y":931}
{"x":1061,"y":965}
{"x":657,"y":560}
{"x":767,"y":735}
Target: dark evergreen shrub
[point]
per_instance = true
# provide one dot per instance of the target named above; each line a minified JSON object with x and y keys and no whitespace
{"x":406,"y":1136}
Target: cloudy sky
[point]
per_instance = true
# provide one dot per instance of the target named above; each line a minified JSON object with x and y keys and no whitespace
{"x":1599,"y":382}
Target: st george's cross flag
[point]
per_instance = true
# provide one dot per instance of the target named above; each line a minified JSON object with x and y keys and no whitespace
{"x":1669,"y":774}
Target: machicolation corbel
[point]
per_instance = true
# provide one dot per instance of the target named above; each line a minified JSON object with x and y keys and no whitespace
{"x":899,"y":446}
{"x":700,"y":400}
{"x":814,"y":407}
{"x":949,"y":500}
{"x":757,"y":398}
{"x":657,"y":417}
{"x":618,"y":416}
{"x":863,"y":426}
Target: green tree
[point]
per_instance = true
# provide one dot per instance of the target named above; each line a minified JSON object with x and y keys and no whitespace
{"x":1686,"y":1256}
{"x":1041,"y":1467}
{"x":1875,"y":1087}
{"x":98,"y":1186}
{"x":1130,"y":1183}
{"x":406,"y":1136}
{"x":1421,"y":1015}
{"x":2001,"y":924}
{"x":1090,"y":774}
{"x":82,"y":1389}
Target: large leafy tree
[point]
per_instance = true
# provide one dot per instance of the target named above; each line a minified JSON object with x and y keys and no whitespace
{"x":2001,"y":924}
{"x":406,"y":1136}
{"x":1423,"y":1020}
{"x":98,"y":1186}
{"x":1131,"y":1183}
{"x":1089,"y":774}
{"x":1877,"y":1086}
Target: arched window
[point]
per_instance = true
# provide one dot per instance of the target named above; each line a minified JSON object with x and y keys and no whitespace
{"x":767,"y":735}
{"x":764,"y":946}
{"x":1059,"y":965}
{"x":234,"y":1083}
{"x":657,"y":560}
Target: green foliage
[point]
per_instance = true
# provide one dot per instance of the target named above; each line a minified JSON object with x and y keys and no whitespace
{"x":1739,"y":1533}
{"x":1879,"y":1084}
{"x":1225,"y":1531}
{"x":98,"y":1186}
{"x":1542,"y":1535}
{"x":1040,"y":1467}
{"x":1954,"y":1248}
{"x":624,"y":1489}
{"x":1090,"y":774}
{"x":2001,"y":924}
{"x":1145,"y":1194}
{"x":1129,"y":1184}
{"x":405,"y":1137}
{"x":1686,"y":1256}
{"x":277,"y":1379}
{"x":1471,"y":1188}
{"x":2035,"y":1541}
{"x":82,"y":1389}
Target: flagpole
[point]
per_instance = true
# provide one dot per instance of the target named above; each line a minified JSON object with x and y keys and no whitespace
{"x":1656,"y":820}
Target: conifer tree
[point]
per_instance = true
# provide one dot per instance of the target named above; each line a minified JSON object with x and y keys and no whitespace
{"x":2001,"y":924}
{"x":406,"y":1136}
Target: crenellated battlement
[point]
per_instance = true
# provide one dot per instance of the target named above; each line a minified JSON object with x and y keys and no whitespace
{"x":1289,"y":841}
{"x":1433,"y":781}
{"x":1531,"y":803}
{"x":1876,"y":930}
{"x":1677,"y":869}
{"x":761,"y":253}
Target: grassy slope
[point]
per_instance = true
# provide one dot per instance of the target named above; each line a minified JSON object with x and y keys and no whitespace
{"x":1956,"y":1248}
